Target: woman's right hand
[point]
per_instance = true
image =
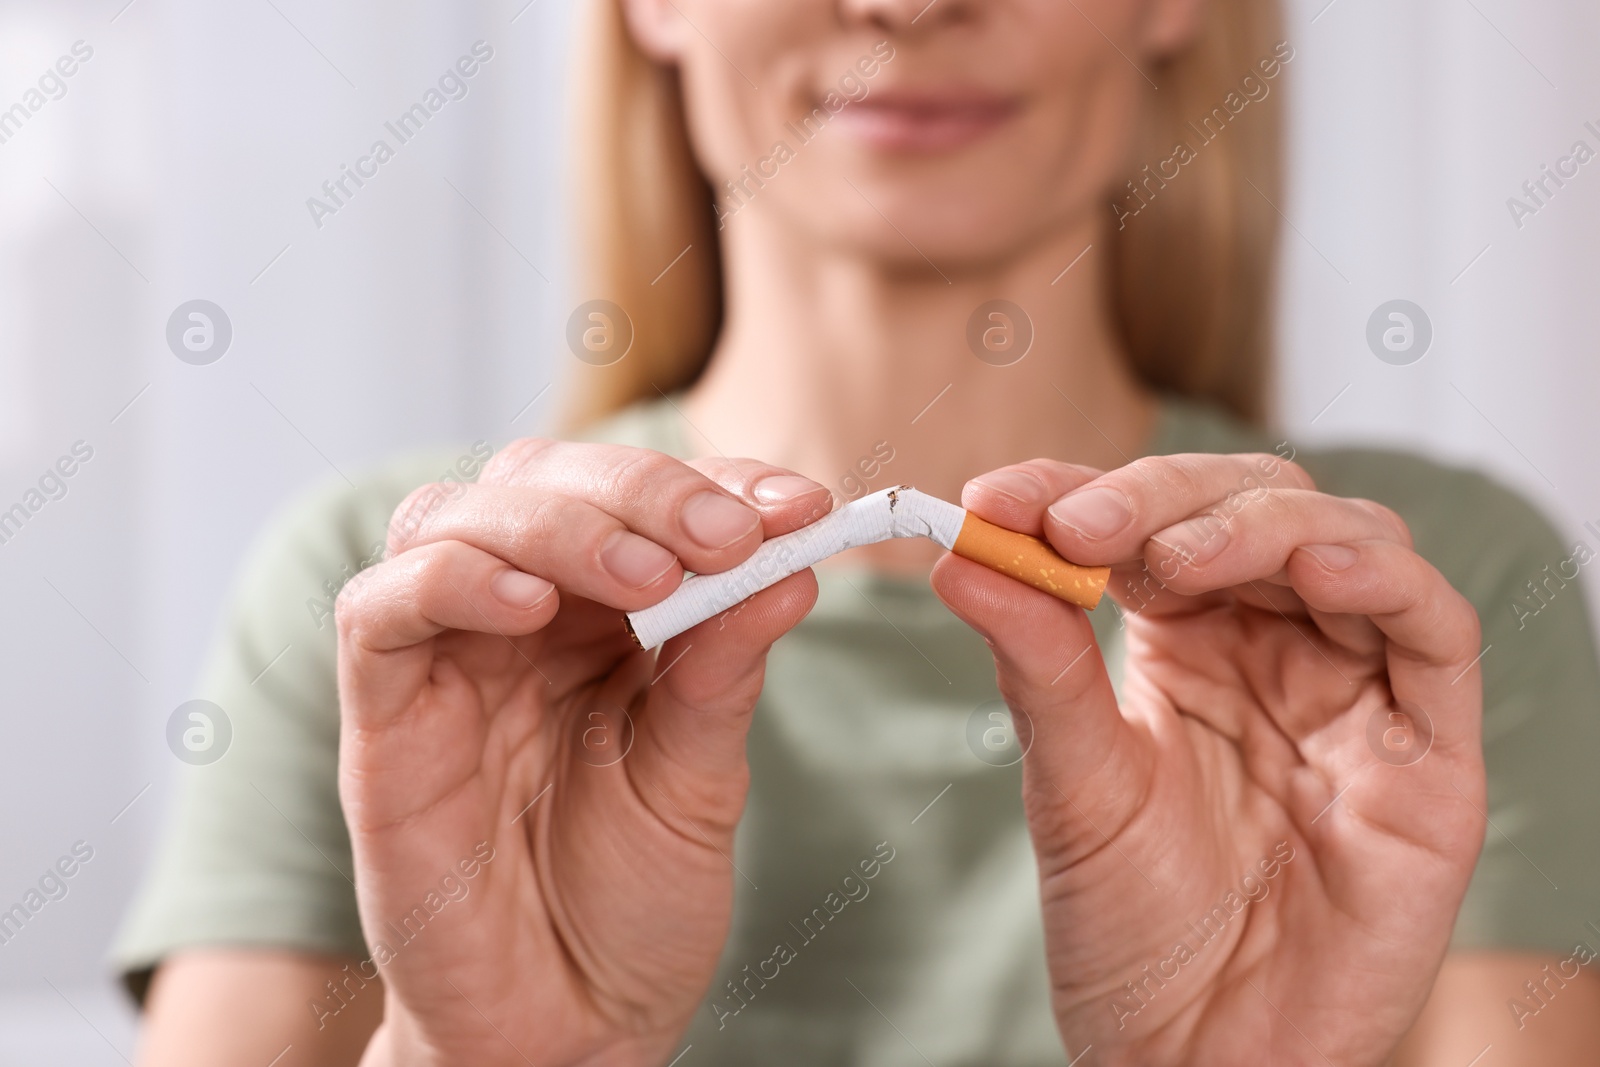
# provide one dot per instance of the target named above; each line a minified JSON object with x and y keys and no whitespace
{"x":491,"y":700}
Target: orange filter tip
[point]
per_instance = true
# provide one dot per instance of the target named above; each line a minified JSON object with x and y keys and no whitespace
{"x":1030,"y":561}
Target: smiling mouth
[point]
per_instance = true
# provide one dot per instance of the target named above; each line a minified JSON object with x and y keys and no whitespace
{"x":924,"y":123}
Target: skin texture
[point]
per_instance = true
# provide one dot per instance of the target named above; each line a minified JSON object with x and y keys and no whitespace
{"x":201,"y":996}
{"x":608,"y":789}
{"x":592,"y":932}
{"x":211,"y":1006}
{"x":1279,"y":624}
{"x":1468,"y":1012}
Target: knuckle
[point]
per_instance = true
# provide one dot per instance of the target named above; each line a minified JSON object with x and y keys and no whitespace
{"x":718,"y":468}
{"x":1251,"y":493}
{"x":548,"y":515}
{"x":413,"y":513}
{"x":1470,"y":625}
{"x":507,"y":464}
{"x":1179,"y":475}
{"x":1388,"y":516}
{"x":1140,"y":480}
{"x":1450,"y":616}
{"x":1281,"y":469}
{"x":351,"y":609}
{"x":1058,"y":474}
{"x":1298,"y":473}
{"x":638,"y":468}
{"x":1048,"y":465}
{"x":1147,"y":468}
{"x":736,"y":476}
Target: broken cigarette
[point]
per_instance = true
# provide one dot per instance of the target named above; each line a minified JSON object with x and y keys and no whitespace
{"x":898,"y":512}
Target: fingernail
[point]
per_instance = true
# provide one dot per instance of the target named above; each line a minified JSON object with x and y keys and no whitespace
{"x":716,"y":521}
{"x":519,"y":589}
{"x":1019,"y":486}
{"x":1196,"y":541}
{"x":1094,"y":513}
{"x":1333,"y":557}
{"x":776,"y":488}
{"x":633,"y":560}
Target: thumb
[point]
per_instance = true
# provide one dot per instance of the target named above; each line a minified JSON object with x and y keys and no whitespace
{"x":695,"y":712}
{"x":696,"y":709}
{"x":1083,"y":765}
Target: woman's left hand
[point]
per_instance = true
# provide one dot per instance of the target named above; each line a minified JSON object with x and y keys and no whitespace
{"x":1258,"y":856}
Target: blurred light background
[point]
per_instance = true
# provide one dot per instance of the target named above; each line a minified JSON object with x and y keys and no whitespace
{"x":176,"y":165}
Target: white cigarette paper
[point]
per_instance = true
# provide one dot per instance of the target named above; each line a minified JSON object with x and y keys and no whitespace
{"x":897,"y":512}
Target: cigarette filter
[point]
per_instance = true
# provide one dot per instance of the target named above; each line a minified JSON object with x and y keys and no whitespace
{"x":1030,"y":560}
{"x":898,"y":512}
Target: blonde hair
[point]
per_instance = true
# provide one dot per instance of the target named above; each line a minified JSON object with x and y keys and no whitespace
{"x":1191,"y":277}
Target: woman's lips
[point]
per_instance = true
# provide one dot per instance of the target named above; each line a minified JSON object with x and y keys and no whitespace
{"x":923,"y":124}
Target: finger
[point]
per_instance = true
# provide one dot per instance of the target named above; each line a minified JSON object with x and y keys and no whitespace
{"x":698,"y":707}
{"x":1434,"y":637}
{"x":1108,"y":520}
{"x":1434,"y":697}
{"x":1251,"y":542}
{"x":1356,"y":633}
{"x":387,"y":612}
{"x":1084,"y":763}
{"x":571,"y":542}
{"x":595,"y":552}
{"x":786,"y":501}
{"x":1239,"y":547}
{"x":1015,"y":497}
{"x":1137,"y":590}
{"x":656,"y":496}
{"x":1247,"y":543}
{"x":1353,"y":633}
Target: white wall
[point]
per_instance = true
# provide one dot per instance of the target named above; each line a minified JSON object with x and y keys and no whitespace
{"x":191,"y":140}
{"x":1414,"y":124}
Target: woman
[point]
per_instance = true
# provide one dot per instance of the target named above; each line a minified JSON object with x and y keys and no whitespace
{"x":1242,"y":836}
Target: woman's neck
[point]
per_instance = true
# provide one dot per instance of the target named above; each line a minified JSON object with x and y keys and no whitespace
{"x":829,"y":363}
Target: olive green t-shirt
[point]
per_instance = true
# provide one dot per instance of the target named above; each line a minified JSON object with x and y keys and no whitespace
{"x":862,"y":749}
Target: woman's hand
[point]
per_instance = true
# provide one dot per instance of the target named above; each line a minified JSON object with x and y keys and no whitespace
{"x":542,"y":830}
{"x":1259,"y":855}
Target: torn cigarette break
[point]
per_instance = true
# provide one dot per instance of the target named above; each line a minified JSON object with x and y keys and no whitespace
{"x":881,"y":516}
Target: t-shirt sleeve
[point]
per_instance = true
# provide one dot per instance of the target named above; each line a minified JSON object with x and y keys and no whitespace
{"x":254,"y":851}
{"x":1537,"y":882}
